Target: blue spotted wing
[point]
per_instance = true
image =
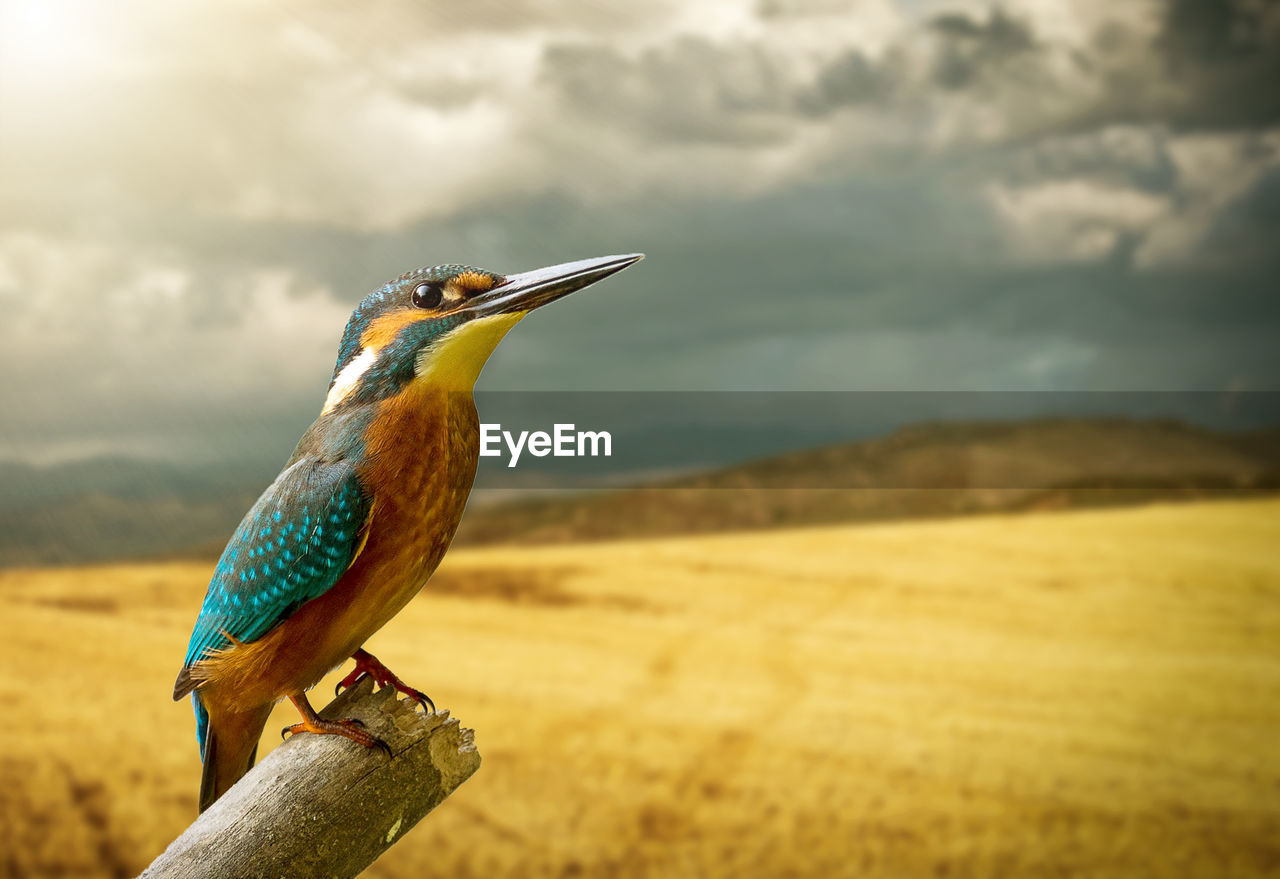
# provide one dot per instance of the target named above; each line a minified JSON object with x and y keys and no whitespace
{"x":291,"y":547}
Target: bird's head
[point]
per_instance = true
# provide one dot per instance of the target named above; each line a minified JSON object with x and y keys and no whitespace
{"x":440,"y":324}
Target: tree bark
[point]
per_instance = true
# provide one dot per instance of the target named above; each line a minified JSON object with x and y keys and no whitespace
{"x":323,"y":806}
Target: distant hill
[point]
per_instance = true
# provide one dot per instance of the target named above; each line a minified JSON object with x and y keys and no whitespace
{"x":117,"y":508}
{"x":107,"y":509}
{"x":926,"y":470}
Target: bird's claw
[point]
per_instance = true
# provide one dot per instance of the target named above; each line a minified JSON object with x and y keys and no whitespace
{"x":350,"y":680}
{"x":368,"y":665}
{"x":350,"y":728}
{"x":417,"y":696}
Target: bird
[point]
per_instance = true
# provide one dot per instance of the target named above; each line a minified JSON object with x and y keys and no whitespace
{"x":363,"y":511}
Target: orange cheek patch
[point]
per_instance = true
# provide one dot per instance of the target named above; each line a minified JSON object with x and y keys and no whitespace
{"x":473,"y":282}
{"x":383,"y":330}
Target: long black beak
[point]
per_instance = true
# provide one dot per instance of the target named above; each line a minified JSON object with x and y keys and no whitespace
{"x":529,"y":290}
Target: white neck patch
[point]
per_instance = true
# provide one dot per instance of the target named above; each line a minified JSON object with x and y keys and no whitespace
{"x":347,"y":380}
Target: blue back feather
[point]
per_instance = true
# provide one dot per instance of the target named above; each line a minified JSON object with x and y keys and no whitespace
{"x":291,"y":547}
{"x":202,"y":721}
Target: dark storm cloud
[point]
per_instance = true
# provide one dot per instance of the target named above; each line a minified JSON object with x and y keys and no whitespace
{"x":832,"y":266}
{"x":826,"y":296}
{"x":1210,"y":67}
{"x":1225,"y":59}
{"x":972,"y":48}
{"x":697,"y":91}
{"x":851,"y":79}
{"x":1127,"y":156}
{"x":1246,"y":232}
{"x":692,"y":90}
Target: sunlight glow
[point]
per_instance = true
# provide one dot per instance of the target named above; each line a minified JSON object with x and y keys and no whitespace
{"x":48,"y":41}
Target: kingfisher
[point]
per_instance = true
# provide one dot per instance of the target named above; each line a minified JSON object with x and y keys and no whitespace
{"x":362,"y":512}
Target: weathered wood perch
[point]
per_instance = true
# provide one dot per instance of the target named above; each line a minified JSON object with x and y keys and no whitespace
{"x":324,"y":806}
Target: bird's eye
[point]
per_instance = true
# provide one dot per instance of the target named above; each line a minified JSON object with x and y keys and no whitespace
{"x":427,"y":295}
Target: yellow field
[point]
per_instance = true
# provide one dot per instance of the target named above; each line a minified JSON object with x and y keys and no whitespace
{"x":1077,"y":694}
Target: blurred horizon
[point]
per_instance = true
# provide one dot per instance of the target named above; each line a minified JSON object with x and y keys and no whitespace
{"x":868,"y":195}
{"x":693,"y":475}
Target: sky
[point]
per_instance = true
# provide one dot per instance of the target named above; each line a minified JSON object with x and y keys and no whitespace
{"x":1033,"y":195}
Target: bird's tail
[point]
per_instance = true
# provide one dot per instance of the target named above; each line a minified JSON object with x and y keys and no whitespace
{"x":229,"y":746}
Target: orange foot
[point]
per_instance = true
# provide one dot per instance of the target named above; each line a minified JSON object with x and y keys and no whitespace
{"x":368,"y":664}
{"x":314,"y":723}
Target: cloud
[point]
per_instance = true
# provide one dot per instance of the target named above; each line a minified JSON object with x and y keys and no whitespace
{"x":127,"y":342}
{"x":1215,"y":172}
{"x":1074,"y":220}
{"x":850,"y":80}
{"x":1225,"y":59}
{"x":973,"y":49}
{"x":691,"y":91}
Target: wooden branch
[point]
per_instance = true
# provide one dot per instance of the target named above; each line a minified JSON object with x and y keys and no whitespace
{"x":323,"y":805}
